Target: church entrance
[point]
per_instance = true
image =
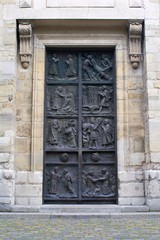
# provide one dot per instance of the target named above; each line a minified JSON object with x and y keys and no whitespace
{"x":80,"y":126}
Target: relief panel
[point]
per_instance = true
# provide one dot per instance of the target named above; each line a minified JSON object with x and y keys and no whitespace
{"x":61,"y":134}
{"x":62,"y":100}
{"x":98,"y":133}
{"x":98,"y":182}
{"x":61,"y":182}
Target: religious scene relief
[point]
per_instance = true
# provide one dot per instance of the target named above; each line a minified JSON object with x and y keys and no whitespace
{"x":62,"y":67}
{"x":97,"y":67}
{"x":62,"y":100}
{"x":98,"y":133}
{"x":97,"y":99}
{"x":61,"y":182}
{"x":98,"y":182}
{"x":62,"y":133}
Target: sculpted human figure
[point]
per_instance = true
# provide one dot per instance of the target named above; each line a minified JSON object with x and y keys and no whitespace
{"x":71,"y":72}
{"x":67,"y":179}
{"x":95,"y":71}
{"x":54,"y":69}
{"x":88,"y":67}
{"x":70,"y":134}
{"x":105,"y":62}
{"x":54,"y":132}
{"x":105,"y":178}
{"x":69,"y":105}
{"x":54,"y":179}
{"x":90,"y":133}
{"x":57,"y":99}
{"x":108,"y":134}
{"x":91,"y":184}
{"x":105,"y":98}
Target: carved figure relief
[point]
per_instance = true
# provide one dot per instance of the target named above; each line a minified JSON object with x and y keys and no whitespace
{"x":54,"y":70}
{"x":99,"y":183}
{"x":94,"y":71}
{"x":91,"y":132}
{"x":108,"y":133}
{"x":54,"y":132}
{"x":62,"y":133}
{"x":70,"y":133}
{"x":68,"y":182}
{"x":105,"y":99}
{"x":98,"y":133}
{"x":62,"y":182}
{"x":63,"y":100}
{"x":97,"y":99}
{"x":54,"y":180}
{"x":71,"y":71}
{"x":62,"y":67}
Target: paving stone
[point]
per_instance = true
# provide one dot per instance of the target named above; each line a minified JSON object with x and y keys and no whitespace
{"x":113,"y":227}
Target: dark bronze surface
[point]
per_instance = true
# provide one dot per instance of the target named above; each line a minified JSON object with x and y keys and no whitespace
{"x":80,"y":130}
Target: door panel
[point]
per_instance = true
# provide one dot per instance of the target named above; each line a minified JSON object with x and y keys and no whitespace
{"x":80,"y":126}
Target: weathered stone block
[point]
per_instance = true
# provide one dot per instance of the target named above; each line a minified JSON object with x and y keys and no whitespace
{"x":155,"y":157}
{"x":22,"y":161}
{"x":138,"y":145}
{"x":35,"y":201}
{"x":8,"y":174}
{"x":22,"y":145}
{"x":5,"y":190}
{"x":24,"y":129}
{"x":35,"y":177}
{"x":154,"y":189}
{"x":5,"y":157}
{"x":131,"y":190}
{"x":21,"y":177}
{"x":140,"y":175}
{"x":21,"y":201}
{"x":126,"y":176}
{"x":154,"y":204}
{"x":151,"y":174}
{"x":28,"y":190}
{"x":5,"y":207}
{"x":138,"y":201}
{"x":5,"y":200}
{"x":125,"y":201}
{"x":136,"y":159}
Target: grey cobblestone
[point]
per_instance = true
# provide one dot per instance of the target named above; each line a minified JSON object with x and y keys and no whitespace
{"x":116,"y":227}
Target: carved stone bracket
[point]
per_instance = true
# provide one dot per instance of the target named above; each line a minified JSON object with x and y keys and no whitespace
{"x":25,"y":51}
{"x":135,"y":44}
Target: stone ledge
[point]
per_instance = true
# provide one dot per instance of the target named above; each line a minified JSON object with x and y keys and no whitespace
{"x":81,"y":210}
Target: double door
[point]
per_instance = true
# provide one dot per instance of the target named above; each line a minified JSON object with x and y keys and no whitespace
{"x":80,"y":132}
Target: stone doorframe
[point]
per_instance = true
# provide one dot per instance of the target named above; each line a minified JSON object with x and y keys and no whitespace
{"x":104,"y":38}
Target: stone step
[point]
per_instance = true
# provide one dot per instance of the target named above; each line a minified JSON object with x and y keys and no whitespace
{"x":58,"y":209}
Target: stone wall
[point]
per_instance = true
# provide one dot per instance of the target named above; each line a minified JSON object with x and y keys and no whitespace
{"x":152,"y":103}
{"x":8,"y":75}
{"x":22,"y":92}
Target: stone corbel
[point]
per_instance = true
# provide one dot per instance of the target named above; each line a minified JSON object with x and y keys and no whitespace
{"x":135,"y":43}
{"x":25,"y":50}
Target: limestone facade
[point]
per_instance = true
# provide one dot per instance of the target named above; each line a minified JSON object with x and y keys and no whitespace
{"x":132,"y":27}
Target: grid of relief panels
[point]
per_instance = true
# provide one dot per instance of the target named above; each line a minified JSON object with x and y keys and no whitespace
{"x":80,"y":129}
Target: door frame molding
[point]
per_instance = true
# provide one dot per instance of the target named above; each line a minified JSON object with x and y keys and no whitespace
{"x":79,"y":39}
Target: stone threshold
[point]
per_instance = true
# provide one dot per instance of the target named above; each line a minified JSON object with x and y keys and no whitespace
{"x":59,"y":209}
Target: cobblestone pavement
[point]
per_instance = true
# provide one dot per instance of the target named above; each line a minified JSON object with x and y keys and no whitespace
{"x":124,"y":227}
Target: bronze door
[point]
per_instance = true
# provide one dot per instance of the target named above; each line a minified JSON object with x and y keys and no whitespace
{"x":80,"y":126}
